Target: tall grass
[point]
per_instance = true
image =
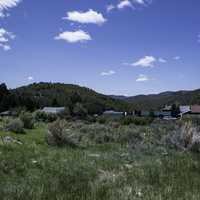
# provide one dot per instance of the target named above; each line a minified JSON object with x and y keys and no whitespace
{"x":102,"y":171}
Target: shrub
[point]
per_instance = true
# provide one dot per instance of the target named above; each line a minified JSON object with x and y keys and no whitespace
{"x":192,"y":118}
{"x":66,"y":114}
{"x":98,"y":133}
{"x":126,"y":121}
{"x":15,"y":125}
{"x":58,"y":135}
{"x":141,"y":121}
{"x":80,"y":111}
{"x":45,"y":117}
{"x":27,"y":119}
{"x":101,"y":120}
{"x":187,"y":137}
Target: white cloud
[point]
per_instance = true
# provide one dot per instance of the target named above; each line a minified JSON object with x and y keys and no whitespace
{"x":30,"y":78}
{"x":198,"y":38}
{"x":177,"y":58}
{"x":73,"y":37}
{"x":108,"y":73}
{"x":142,"y":78}
{"x":162,"y":60}
{"x":89,"y":17}
{"x":124,"y":3}
{"x":110,"y":7}
{"x":147,"y":61}
{"x":7,"y":4}
{"x":5,"y":37}
{"x":139,"y":1}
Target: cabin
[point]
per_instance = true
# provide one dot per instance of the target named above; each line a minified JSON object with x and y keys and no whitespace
{"x":163,"y":114}
{"x":167,"y":108}
{"x":112,"y":113}
{"x":145,"y":113}
{"x":184,"y":110}
{"x":53,"y":110}
{"x":5,"y":114}
{"x":195,"y":110}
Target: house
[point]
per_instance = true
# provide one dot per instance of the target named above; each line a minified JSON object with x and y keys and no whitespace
{"x":167,"y":108}
{"x":184,"y":110}
{"x":145,"y":113}
{"x":53,"y":110}
{"x":163,"y":114}
{"x":195,"y":110}
{"x":5,"y":114}
{"x":113,"y":113}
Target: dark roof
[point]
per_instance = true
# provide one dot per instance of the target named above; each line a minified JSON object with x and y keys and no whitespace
{"x":195,"y":109}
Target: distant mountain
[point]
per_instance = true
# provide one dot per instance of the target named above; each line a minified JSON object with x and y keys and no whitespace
{"x":157,"y":101}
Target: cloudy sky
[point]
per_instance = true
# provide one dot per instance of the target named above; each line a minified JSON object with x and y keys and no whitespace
{"x":125,"y":47}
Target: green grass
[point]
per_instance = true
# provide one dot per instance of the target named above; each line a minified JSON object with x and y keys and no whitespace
{"x":107,"y":171}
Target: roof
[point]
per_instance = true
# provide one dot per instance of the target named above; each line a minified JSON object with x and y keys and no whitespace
{"x":5,"y":113}
{"x":162,"y":113}
{"x":167,"y":108}
{"x":195,"y":109}
{"x":112,"y":112}
{"x":185,"y":109}
{"x":53,"y":109}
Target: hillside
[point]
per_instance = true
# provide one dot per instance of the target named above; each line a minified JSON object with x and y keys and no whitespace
{"x":156,"y":101}
{"x":58,"y":94}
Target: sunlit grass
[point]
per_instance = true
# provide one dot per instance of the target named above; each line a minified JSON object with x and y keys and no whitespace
{"x":110,"y":171}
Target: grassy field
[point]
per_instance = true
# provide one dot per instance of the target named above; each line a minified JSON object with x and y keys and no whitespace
{"x":96,"y":170}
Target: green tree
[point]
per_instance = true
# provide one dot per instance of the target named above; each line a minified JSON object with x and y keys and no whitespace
{"x":80,"y":111}
{"x":175,"y":110}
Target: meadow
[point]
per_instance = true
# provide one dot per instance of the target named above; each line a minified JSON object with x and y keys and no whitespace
{"x":109,"y":161}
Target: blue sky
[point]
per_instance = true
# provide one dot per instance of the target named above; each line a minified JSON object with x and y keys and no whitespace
{"x":125,"y":47}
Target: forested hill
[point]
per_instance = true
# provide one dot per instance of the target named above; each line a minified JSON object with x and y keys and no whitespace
{"x":157,"y":101}
{"x":39,"y":95}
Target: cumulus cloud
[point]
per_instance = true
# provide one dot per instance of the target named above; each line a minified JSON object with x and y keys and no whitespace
{"x":139,"y":1}
{"x":7,"y":4}
{"x":110,"y":7}
{"x":142,"y":78}
{"x":124,"y":4}
{"x":5,"y":38}
{"x":108,"y":73}
{"x":74,"y":37}
{"x":147,"y":61}
{"x":89,"y":17}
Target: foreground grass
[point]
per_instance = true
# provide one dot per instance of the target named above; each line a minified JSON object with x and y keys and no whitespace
{"x":110,"y":171}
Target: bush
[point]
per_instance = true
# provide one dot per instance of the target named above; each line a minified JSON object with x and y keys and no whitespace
{"x":99,"y":133}
{"x":58,"y":135}
{"x":192,"y":118}
{"x":80,"y":111}
{"x":66,"y":114}
{"x":45,"y":117}
{"x":141,"y":121}
{"x":101,"y":120}
{"x":187,"y":137}
{"x":15,"y":125}
{"x":27,"y":119}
